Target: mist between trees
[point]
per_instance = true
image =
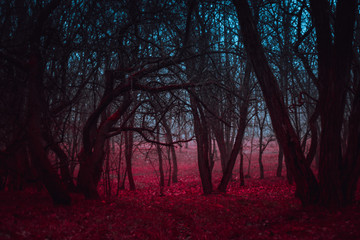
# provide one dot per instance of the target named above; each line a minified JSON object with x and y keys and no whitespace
{"x":82,"y":79}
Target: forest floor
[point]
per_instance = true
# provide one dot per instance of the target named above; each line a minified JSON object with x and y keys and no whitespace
{"x":262,"y":209}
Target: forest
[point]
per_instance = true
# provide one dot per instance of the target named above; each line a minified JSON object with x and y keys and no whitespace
{"x":179,"y":117}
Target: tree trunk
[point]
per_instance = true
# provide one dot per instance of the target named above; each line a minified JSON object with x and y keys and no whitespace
{"x":220,"y":139}
{"x":261,"y":166}
{"x":261,"y":145}
{"x":85,"y":181}
{"x":241,"y":170}
{"x":289,"y":175}
{"x":91,"y":163}
{"x":169,"y":162}
{"x":351,"y":172}
{"x":314,"y":137}
{"x":201,"y":133}
{"x":66,"y":177}
{"x":119,"y":182}
{"x":14,"y":166}
{"x":231,"y":163}
{"x":240,"y":132}
{"x":306,"y":183}
{"x":169,"y":140}
{"x":251,"y":151}
{"x":212,"y":154}
{"x":334,"y":64}
{"x":38,"y":154}
{"x":280,"y":162}
{"x":129,"y":143}
{"x":106,"y":175}
{"x":161,"y":168}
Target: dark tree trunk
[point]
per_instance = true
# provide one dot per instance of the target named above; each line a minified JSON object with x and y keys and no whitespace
{"x":85,"y":179}
{"x":174,"y":176}
{"x":261,"y":145}
{"x":92,"y":155}
{"x":212,"y":154}
{"x":91,"y":161}
{"x":169,"y":140}
{"x":251,"y":152}
{"x":241,"y":170}
{"x":106,"y":175}
{"x":36,"y":111}
{"x":280,"y":162}
{"x":37,"y":151}
{"x":229,"y":168}
{"x":169,"y":162}
{"x":220,"y":139}
{"x":240,"y":132}
{"x":91,"y":165}
{"x":201,"y":133}
{"x":289,"y":175}
{"x":66,"y":177}
{"x":14,"y":165}
{"x":334,"y":61}
{"x":314,"y":137}
{"x":306,"y":183}
{"x":261,"y":165}
{"x":129,"y":143}
{"x":120,"y":184}
{"x":161,"y":168}
{"x":351,"y":172}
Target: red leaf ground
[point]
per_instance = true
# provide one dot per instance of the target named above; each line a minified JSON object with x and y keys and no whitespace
{"x":263,"y":209}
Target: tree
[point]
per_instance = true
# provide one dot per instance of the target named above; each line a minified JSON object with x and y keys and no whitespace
{"x":262,"y":144}
{"x":237,"y":147}
{"x":336,"y":177}
{"x":334,"y":70}
{"x":285,"y":133}
{"x":37,"y":108}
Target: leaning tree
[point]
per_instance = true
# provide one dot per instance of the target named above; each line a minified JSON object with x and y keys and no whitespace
{"x":339,"y":164}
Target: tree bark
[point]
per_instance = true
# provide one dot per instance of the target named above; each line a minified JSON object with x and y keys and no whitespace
{"x":201,"y":133}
